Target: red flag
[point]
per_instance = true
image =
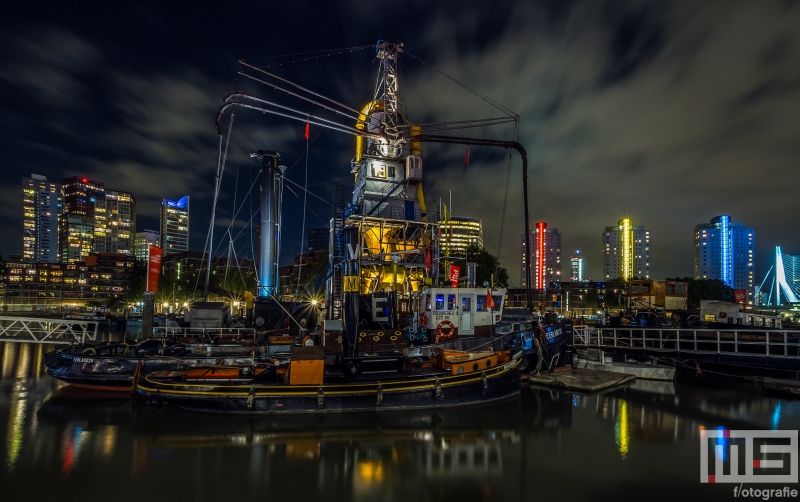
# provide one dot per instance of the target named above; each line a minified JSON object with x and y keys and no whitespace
{"x":489,"y":300}
{"x":455,"y":271}
{"x":154,"y":268}
{"x":428,"y":259}
{"x":306,"y":130}
{"x":467,"y":159}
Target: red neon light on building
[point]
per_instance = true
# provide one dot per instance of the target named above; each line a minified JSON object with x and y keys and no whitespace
{"x":541,"y":227}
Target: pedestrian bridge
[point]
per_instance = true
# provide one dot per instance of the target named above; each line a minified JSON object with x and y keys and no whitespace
{"x":43,"y":330}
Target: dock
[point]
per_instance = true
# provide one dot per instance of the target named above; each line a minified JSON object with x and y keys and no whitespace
{"x":582,"y":379}
{"x":641,"y":371}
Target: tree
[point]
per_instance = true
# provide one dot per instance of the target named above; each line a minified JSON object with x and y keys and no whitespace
{"x":706,"y":289}
{"x":138,"y":282}
{"x":611,"y":299}
{"x":487,"y":265}
{"x":590,"y":299}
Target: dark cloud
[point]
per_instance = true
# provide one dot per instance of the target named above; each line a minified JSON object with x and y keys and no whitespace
{"x":668,"y":113}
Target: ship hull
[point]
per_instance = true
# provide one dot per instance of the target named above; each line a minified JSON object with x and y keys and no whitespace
{"x":411,"y":392}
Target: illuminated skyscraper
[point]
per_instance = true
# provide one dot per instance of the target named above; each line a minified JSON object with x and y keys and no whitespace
{"x":41,"y":205}
{"x":77,"y":221}
{"x":458,"y":232}
{"x":115,"y":223}
{"x":577,"y":267}
{"x":545,"y":246}
{"x":94,"y":220}
{"x":626,"y":251}
{"x":175,"y":225}
{"x":143,"y":242}
{"x":726,"y":251}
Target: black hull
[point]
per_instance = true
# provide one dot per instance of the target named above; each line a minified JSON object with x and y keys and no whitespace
{"x":116,"y":374}
{"x":430,"y":392}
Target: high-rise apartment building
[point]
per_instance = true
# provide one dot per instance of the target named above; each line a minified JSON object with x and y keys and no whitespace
{"x":175,"y":225}
{"x":143,"y":242}
{"x":725,"y":250}
{"x":545,"y":251}
{"x":41,"y":206}
{"x":94,"y":220}
{"x":576,"y":262}
{"x":626,"y":251}
{"x":115,"y":223}
{"x":317,"y":240}
{"x":77,"y":221}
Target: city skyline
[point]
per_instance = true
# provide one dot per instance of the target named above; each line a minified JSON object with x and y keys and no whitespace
{"x":666,"y":114}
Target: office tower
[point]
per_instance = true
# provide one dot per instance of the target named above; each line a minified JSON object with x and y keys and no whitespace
{"x":725,"y":250}
{"x":143,"y":242}
{"x":175,"y":225}
{"x":626,"y":251}
{"x":115,"y":223}
{"x":577,"y":267}
{"x":77,"y":221}
{"x":545,"y":245}
{"x":41,"y":206}
{"x":458,"y":232}
{"x":318,"y":239}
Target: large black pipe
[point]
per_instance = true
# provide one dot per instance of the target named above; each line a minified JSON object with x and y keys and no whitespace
{"x":431,"y":138}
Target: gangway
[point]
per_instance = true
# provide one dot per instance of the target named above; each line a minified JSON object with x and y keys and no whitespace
{"x":43,"y":330}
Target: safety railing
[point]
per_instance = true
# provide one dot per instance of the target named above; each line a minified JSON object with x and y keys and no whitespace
{"x":162,"y":331}
{"x":41,"y":330}
{"x":765,"y":343}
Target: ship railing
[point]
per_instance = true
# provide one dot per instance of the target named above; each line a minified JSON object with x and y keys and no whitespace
{"x":239,"y":333}
{"x":750,"y":342}
{"x":42,"y":330}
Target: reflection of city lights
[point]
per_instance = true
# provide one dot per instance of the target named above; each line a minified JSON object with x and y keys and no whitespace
{"x":108,"y":438}
{"x":370,"y":471}
{"x":22,"y":362}
{"x":622,"y":430}
{"x":73,"y":448}
{"x":8,"y":359}
{"x":776,"y":416}
{"x":16,"y":427}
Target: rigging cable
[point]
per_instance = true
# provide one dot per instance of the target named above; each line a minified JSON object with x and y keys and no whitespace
{"x":297,"y":86}
{"x":316,"y":55}
{"x":465,"y":86}
{"x":303,"y":227}
{"x":210,"y":234}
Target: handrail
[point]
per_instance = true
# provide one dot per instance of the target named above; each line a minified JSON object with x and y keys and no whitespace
{"x":44,"y":330}
{"x":161,"y":331}
{"x":758,"y":343}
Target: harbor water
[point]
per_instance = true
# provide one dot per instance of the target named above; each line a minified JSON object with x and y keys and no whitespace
{"x":635,"y":443}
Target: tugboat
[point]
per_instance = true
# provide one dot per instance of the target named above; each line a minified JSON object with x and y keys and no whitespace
{"x":395,"y":335}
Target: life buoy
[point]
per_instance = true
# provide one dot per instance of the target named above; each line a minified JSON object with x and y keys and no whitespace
{"x":445,"y":324}
{"x":423,"y":319}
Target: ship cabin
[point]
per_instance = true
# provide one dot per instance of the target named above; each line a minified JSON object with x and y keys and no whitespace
{"x":665,"y":296}
{"x":458,"y":312}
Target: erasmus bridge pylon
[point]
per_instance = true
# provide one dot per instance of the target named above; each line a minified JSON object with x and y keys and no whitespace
{"x":786,"y":281}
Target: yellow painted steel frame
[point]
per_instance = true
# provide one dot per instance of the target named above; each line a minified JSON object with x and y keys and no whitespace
{"x":361,"y":124}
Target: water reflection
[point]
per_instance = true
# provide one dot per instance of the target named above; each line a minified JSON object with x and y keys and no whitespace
{"x":530,"y":448}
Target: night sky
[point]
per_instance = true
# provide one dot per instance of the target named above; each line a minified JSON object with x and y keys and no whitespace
{"x":670,"y":113}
